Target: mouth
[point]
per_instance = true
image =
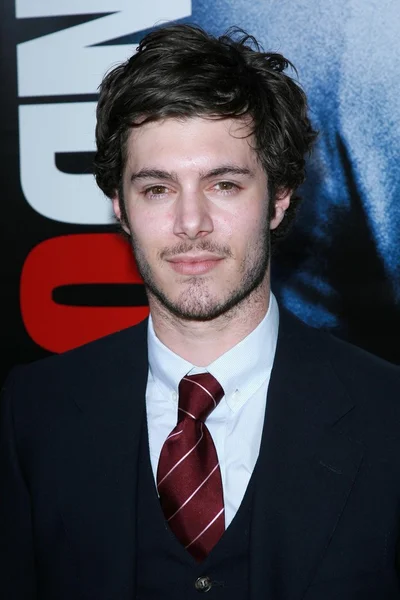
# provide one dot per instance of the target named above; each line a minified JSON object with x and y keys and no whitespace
{"x":194,"y":265}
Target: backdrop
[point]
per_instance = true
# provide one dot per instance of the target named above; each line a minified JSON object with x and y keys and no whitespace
{"x":67,"y":277}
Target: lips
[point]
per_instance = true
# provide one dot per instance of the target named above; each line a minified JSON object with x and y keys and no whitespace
{"x":194,"y":265}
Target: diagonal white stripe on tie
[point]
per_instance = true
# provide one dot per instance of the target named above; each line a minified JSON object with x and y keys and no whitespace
{"x":205,"y":529}
{"x":202,"y":387}
{"x":195,"y":492}
{"x":174,"y":434}
{"x":183,"y":457}
{"x":187,"y":413}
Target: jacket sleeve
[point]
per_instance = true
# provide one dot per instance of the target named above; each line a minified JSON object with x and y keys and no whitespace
{"x":17,"y":564}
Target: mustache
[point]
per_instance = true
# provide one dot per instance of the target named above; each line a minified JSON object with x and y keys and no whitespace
{"x":200,"y":246}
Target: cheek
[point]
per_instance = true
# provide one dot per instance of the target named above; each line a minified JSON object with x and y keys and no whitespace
{"x":148,"y":228}
{"x":247,"y":228}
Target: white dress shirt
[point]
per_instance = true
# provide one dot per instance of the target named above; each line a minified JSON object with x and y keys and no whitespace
{"x":236,"y":423}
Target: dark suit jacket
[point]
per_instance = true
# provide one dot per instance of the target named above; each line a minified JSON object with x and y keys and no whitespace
{"x":326,"y":508}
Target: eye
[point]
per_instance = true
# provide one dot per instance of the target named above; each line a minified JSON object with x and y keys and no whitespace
{"x":156,"y":190}
{"x":226,"y":186}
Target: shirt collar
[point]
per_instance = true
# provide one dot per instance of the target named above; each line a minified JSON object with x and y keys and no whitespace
{"x":240,"y":371}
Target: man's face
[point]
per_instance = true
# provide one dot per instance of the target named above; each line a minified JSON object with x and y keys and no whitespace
{"x":197,"y":203}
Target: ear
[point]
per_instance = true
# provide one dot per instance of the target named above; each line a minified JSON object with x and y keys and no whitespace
{"x":282,"y":202}
{"x":117,"y":211}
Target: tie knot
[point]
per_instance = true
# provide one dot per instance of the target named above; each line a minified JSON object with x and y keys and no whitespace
{"x":198,"y":396}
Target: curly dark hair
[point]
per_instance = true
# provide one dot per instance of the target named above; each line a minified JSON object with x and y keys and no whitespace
{"x":181,"y":71}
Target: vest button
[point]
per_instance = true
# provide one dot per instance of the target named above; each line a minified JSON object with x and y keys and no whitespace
{"x":203,"y":584}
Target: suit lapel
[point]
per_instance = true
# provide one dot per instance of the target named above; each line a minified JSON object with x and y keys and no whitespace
{"x":98,"y":494}
{"x":305,"y":470}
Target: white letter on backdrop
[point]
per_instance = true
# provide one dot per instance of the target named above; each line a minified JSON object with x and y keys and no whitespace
{"x":46,"y":129}
{"x":68,"y":61}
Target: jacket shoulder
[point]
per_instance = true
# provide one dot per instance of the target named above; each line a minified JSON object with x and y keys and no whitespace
{"x":85,"y":366}
{"x":360,"y":371}
{"x":359,"y":365}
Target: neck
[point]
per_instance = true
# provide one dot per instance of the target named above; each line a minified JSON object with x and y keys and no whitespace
{"x":202,"y":342}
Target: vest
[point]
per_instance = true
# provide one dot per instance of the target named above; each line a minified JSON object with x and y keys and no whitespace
{"x":166,"y":570}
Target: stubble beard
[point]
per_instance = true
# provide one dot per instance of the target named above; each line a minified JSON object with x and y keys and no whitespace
{"x":197,"y":303}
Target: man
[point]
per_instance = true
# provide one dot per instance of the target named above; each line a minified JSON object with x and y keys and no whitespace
{"x":220,"y":446}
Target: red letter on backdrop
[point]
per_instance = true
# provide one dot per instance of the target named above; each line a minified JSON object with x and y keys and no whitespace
{"x":76,"y":259}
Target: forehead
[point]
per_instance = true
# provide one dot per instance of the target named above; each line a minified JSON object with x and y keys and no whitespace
{"x":196,"y":141}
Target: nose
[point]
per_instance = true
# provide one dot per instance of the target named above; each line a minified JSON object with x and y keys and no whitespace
{"x":192,"y":218}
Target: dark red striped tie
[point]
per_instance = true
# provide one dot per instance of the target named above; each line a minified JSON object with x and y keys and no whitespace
{"x":188,"y":476}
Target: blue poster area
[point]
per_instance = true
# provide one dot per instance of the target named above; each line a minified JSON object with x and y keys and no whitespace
{"x":340,"y":267}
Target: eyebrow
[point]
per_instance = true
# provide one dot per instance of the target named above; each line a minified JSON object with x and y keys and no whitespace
{"x":153,"y":174}
{"x":228,"y":170}
{"x":172,"y":176}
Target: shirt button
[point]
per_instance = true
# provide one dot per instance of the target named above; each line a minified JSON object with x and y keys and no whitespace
{"x":203,"y":584}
